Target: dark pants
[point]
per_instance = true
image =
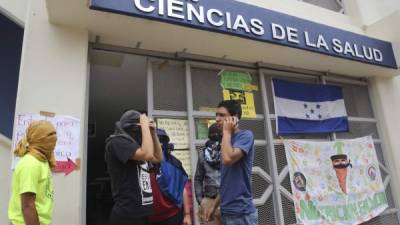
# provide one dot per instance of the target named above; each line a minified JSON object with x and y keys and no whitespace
{"x":117,"y":220}
{"x":175,"y":220}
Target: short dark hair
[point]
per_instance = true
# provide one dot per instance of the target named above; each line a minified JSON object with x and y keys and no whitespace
{"x":233,"y":106}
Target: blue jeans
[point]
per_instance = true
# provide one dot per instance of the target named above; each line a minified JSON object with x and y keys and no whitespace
{"x":249,"y":219}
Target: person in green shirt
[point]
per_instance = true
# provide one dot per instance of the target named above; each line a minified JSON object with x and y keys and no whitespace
{"x":31,"y":201}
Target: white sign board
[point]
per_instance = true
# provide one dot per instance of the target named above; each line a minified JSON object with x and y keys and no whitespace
{"x":177,"y":130}
{"x":184,"y":157}
{"x":68,"y":134}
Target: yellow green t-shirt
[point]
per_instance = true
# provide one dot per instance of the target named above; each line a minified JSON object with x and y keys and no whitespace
{"x":34,"y":176}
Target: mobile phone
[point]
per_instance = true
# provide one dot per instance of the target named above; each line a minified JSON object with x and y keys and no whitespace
{"x":237,"y":119}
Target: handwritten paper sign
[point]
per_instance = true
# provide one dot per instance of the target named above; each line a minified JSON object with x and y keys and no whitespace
{"x":177,"y":130}
{"x":184,"y":157}
{"x":68,"y":134}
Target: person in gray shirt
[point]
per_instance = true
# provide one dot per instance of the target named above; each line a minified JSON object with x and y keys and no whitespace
{"x":208,"y":175}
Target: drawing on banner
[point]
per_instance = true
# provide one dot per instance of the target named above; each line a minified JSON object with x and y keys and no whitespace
{"x":246,"y":100}
{"x":340,"y":163}
{"x":335,"y":182}
{"x":66,"y":151}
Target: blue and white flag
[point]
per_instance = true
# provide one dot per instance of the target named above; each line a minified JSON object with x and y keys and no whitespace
{"x":308,"y":108}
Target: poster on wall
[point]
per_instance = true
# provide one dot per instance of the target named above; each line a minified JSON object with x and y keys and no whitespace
{"x":178,"y":132}
{"x":237,"y":85}
{"x":184,"y":157}
{"x":335,"y":182}
{"x":66,"y":151}
{"x":239,"y":81}
{"x":202,"y":127}
{"x":246,"y":100}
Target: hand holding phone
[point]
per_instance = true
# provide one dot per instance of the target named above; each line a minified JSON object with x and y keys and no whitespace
{"x":230,"y":123}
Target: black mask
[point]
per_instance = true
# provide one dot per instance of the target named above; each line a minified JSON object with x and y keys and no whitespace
{"x":135,"y":132}
{"x":215,"y":137}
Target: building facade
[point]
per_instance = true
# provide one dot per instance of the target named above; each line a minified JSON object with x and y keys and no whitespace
{"x":95,"y":59}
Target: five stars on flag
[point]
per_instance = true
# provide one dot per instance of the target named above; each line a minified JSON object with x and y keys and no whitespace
{"x":310,"y":110}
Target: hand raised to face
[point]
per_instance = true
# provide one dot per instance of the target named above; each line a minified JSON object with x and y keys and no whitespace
{"x":230,"y":123}
{"x":144,"y":120}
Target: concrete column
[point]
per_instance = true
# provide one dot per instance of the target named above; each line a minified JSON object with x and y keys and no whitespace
{"x":15,"y":10}
{"x":385,"y":94}
{"x":5,"y":165}
{"x":54,"y":77}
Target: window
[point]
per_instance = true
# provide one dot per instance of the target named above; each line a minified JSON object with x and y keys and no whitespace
{"x":270,"y":171}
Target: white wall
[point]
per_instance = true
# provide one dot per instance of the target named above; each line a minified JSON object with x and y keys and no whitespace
{"x":303,"y":9}
{"x":15,"y":10}
{"x":383,"y":23}
{"x":53,"y":77}
{"x":385,"y":94}
{"x":370,"y":11}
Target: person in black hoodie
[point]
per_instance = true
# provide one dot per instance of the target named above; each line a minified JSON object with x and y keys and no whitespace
{"x":128,"y":151}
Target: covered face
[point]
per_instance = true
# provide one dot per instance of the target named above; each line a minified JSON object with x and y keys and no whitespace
{"x":164,"y":140}
{"x":39,"y":140}
{"x":129,"y":123}
{"x":214,"y":132}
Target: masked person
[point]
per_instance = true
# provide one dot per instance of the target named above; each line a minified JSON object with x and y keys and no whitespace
{"x":169,"y":210}
{"x":128,"y":151}
{"x":208,"y":174}
{"x":237,"y":156}
{"x":32,"y":194}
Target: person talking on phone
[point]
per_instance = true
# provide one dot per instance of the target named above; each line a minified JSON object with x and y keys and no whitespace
{"x":237,"y":156}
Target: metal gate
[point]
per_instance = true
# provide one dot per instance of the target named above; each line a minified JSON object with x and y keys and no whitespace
{"x":180,"y":89}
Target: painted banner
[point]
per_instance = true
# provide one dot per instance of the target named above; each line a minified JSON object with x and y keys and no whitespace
{"x":246,"y":100}
{"x":335,"y":182}
{"x":68,"y":138}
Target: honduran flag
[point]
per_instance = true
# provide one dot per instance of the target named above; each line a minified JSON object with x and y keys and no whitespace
{"x":302,"y":108}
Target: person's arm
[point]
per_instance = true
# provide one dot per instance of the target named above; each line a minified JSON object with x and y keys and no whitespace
{"x":28,"y":186}
{"x":198,"y":180}
{"x":210,"y":211}
{"x":29,"y":209}
{"x":146,"y":150}
{"x":158,"y":154}
{"x":229,"y":154}
{"x":187,"y":219}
